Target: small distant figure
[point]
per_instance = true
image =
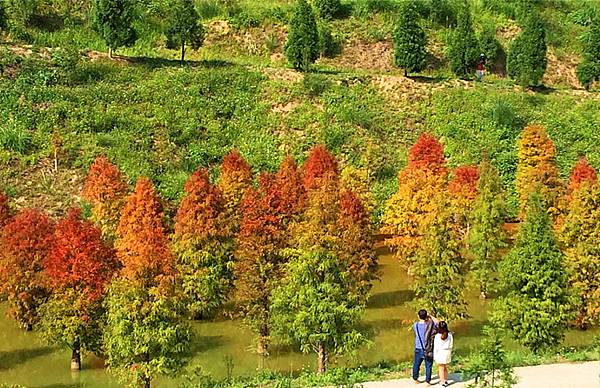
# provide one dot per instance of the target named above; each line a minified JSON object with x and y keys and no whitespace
{"x":480,"y":69}
{"x":442,"y":351}
{"x":424,"y":336}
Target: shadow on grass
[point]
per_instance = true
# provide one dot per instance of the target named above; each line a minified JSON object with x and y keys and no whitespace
{"x":154,"y":63}
{"x":13,"y":358}
{"x":426,"y":79}
{"x":390,"y":299}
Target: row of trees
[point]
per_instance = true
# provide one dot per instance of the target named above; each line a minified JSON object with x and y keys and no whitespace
{"x":442,"y":225}
{"x":526,"y":56}
{"x":120,"y":284}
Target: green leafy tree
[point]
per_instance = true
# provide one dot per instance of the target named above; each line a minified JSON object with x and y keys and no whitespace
{"x":439,"y":268}
{"x":536,"y":304}
{"x":316,"y":283}
{"x":489,"y":363}
{"x":487,"y":237}
{"x":302,"y":46}
{"x":203,"y":246}
{"x":588,"y":70}
{"x":113,"y":20}
{"x":145,"y":336}
{"x":184,"y":27}
{"x":327,"y":9}
{"x":409,"y":40}
{"x":463,"y":50}
{"x":527,"y":53}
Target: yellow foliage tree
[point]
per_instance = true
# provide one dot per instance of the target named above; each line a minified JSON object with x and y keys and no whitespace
{"x":580,"y":236}
{"x":417,"y":201}
{"x":537,"y":168}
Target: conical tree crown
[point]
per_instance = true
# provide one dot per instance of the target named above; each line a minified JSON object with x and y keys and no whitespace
{"x":143,"y":246}
{"x":409,"y":40}
{"x":320,"y":164}
{"x":302,"y":46}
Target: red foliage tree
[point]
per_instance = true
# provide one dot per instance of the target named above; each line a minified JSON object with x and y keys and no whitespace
{"x":260,"y":260}
{"x":427,"y":154}
{"x":79,"y":259}
{"x":24,"y":245}
{"x":236,"y":178}
{"x":105,"y":189}
{"x":464,"y":182}
{"x":143,"y":247}
{"x":319,"y":164}
{"x":289,"y":183}
{"x":79,"y":265}
{"x":202,"y":245}
{"x":5,"y":212}
{"x":582,"y":172}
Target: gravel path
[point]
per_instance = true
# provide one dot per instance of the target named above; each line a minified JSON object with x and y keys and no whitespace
{"x":571,"y":375}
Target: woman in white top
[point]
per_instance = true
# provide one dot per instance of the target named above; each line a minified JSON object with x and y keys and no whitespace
{"x":442,"y":351}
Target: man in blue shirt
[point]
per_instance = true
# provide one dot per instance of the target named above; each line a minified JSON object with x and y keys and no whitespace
{"x":424,"y":331}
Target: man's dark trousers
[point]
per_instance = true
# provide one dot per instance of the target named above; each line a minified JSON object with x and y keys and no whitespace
{"x":419,"y":357}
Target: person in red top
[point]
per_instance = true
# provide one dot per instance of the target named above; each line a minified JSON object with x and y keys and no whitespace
{"x":480,"y":69}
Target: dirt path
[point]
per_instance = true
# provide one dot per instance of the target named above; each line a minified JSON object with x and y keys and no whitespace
{"x":571,"y":375}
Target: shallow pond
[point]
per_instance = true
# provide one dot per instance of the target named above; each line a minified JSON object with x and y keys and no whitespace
{"x":227,"y":345}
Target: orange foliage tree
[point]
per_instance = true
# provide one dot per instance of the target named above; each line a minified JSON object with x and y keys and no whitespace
{"x":357,"y":245}
{"x":79,"y":266}
{"x":145,"y":336}
{"x":105,"y":189}
{"x":260,"y":259}
{"x":537,"y":168}
{"x":319,"y":163}
{"x":582,"y":172}
{"x":235,"y":179}
{"x":143,"y":247}
{"x":289,"y":183}
{"x":203,"y":247}
{"x":24,"y":245}
{"x":414,"y":205}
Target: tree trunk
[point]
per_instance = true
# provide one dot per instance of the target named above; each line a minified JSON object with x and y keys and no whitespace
{"x":182,"y":52}
{"x":405,"y":73}
{"x":110,"y":53}
{"x":322,"y":364}
{"x":76,"y":356}
{"x":146,"y":379}
{"x":263,"y":341}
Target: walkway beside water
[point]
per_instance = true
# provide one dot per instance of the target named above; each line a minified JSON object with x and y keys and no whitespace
{"x":568,"y":375}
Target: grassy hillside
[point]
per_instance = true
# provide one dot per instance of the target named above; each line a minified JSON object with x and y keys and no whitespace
{"x":62,"y":97}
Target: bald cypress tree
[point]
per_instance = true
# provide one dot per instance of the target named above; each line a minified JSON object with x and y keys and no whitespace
{"x":302,"y":46}
{"x":535,"y":307}
{"x":409,"y":41}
